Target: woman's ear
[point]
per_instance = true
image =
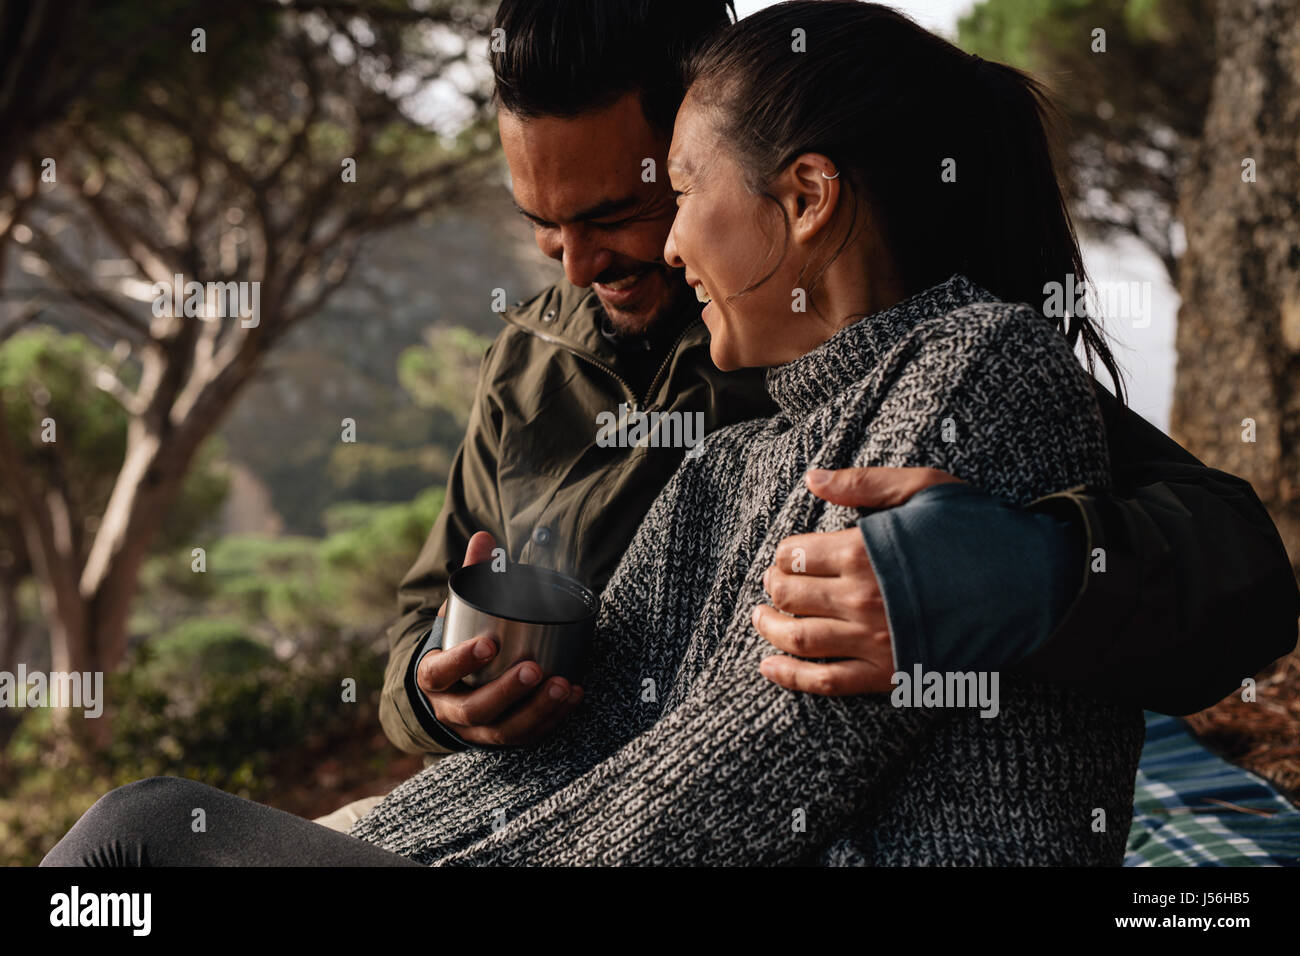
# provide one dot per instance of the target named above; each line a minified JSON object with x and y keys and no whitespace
{"x":809,"y":191}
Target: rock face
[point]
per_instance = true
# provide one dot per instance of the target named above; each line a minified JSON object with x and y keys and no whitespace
{"x":1239,"y":325}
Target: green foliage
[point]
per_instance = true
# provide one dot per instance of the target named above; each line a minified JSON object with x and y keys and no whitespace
{"x":365,"y":561}
{"x":202,"y":493}
{"x":229,"y":724}
{"x":1033,"y":34}
{"x":236,"y":673}
{"x":200,"y":649}
{"x":291,"y":586}
{"x":1004,"y":29}
{"x":156,"y":32}
{"x":206,"y":698}
{"x":48,"y":375}
{"x":407,"y":437}
{"x":1133,"y":111}
{"x":231,"y":730}
{"x":271,"y":583}
{"x":442,"y":374}
{"x":376,"y":473}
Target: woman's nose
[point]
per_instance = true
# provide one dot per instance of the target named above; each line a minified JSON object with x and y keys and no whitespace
{"x":670,"y":249}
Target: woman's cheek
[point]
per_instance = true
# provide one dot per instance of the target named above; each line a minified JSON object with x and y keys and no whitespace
{"x":701,"y":230}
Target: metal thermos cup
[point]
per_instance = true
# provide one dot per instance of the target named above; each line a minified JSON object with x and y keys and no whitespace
{"x":537,"y":614}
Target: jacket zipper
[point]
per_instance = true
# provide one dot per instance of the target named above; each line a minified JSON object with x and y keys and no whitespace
{"x":654,"y":382}
{"x":592,"y":360}
{"x":586,"y":357}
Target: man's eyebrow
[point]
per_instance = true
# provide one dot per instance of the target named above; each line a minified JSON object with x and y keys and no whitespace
{"x":528,"y":215}
{"x":602,"y":209}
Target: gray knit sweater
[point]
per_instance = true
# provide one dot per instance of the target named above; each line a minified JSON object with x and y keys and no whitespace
{"x":682,"y":752}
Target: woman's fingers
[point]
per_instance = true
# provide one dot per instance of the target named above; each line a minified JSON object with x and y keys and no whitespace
{"x":838,"y":678}
{"x":823,"y":637}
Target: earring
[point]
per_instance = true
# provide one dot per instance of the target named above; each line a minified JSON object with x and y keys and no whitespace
{"x":836,"y":176}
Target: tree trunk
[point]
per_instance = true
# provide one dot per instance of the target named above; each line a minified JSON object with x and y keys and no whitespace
{"x":140,"y":497}
{"x":153,"y":470}
{"x":1239,"y":325}
{"x":11,"y":625}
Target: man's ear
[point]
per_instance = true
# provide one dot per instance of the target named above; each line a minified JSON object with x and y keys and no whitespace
{"x":809,"y":191}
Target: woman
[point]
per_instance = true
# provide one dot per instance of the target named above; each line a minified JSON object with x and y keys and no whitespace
{"x":873,"y":272}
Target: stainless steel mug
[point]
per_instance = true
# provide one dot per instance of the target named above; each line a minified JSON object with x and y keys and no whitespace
{"x":536,"y":613}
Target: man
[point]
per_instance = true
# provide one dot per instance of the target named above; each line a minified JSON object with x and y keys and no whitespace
{"x":1182,"y":565}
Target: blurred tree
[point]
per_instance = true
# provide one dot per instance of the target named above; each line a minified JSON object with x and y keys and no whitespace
{"x":56,"y":55}
{"x":442,"y":374}
{"x":15,"y":568}
{"x":1184,"y":134}
{"x":1134,"y":112}
{"x":273,"y":182}
{"x":293,"y":592}
{"x":1237,"y":394}
{"x":68,"y":437}
{"x":410,"y":422}
{"x":370,"y":551}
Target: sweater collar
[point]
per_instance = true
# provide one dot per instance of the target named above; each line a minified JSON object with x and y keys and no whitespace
{"x":813,"y":380}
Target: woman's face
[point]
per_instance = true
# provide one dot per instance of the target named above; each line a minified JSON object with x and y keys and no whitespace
{"x":727,"y":239}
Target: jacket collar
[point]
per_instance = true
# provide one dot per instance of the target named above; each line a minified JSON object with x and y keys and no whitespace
{"x":571,"y":318}
{"x":813,"y":380}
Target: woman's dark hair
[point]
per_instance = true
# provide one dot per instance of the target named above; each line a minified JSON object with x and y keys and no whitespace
{"x":565,"y":57}
{"x":891,"y":104}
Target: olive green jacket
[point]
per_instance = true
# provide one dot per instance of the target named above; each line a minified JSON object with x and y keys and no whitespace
{"x":540,"y":469}
{"x":1198,"y":591}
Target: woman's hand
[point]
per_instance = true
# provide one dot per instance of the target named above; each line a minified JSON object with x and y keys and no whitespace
{"x":827,"y":581}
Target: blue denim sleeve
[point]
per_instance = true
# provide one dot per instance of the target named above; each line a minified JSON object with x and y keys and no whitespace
{"x":969,"y":581}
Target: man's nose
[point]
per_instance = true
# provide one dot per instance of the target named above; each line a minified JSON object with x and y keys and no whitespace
{"x":583,"y":259}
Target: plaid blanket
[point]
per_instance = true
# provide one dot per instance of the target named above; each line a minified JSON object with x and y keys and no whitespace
{"x":1192,"y":808}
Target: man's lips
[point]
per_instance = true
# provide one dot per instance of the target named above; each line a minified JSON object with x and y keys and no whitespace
{"x":623,"y":289}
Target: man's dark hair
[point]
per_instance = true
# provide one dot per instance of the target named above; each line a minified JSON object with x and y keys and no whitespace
{"x":565,"y":57}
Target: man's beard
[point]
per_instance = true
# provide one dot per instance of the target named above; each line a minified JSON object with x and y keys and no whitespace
{"x":643,"y":318}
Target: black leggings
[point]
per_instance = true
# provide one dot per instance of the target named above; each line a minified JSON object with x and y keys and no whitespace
{"x":151,"y":823}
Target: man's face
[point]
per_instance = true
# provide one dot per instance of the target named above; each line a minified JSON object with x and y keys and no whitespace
{"x":579,"y":181}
